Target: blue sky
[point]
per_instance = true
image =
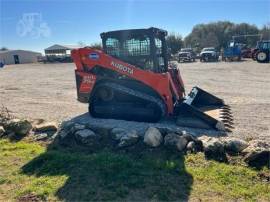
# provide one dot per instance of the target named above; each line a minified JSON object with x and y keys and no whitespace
{"x":70,"y":21}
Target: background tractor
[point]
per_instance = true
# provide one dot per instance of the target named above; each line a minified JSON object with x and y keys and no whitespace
{"x":263,"y":51}
{"x":233,"y":51}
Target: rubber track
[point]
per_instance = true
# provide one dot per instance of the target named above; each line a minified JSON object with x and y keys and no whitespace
{"x":137,"y":94}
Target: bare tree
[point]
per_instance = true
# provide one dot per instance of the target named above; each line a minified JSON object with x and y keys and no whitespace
{"x":81,"y":44}
{"x":96,"y":46}
{"x":174,"y":42}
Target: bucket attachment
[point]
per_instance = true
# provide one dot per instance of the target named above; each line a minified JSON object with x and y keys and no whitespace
{"x":201,"y":109}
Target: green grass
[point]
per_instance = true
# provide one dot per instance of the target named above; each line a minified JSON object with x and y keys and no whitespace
{"x":29,"y":169}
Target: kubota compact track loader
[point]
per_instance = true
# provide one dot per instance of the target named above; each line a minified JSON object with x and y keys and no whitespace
{"x":131,"y":79}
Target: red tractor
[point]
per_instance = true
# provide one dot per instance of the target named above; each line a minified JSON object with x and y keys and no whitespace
{"x":132,"y":79}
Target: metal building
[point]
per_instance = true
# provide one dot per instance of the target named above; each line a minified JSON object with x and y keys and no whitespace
{"x":18,"y":56}
{"x":59,"y":53}
{"x":60,"y":50}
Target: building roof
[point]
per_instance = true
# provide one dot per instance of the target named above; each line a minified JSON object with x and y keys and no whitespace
{"x":65,"y":47}
{"x":11,"y":51}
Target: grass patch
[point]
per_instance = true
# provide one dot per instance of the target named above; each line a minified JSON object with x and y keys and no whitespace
{"x":28,"y":169}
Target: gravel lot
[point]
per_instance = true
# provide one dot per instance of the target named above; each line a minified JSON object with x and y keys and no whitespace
{"x":48,"y":91}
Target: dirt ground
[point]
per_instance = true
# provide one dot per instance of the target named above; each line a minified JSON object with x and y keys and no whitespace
{"x":48,"y":91}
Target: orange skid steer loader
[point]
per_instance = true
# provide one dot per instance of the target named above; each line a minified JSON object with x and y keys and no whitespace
{"x":132,"y":79}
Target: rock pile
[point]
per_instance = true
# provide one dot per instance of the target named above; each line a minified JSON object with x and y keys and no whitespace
{"x":15,"y":128}
{"x":18,"y":128}
{"x":70,"y":133}
{"x":254,"y":153}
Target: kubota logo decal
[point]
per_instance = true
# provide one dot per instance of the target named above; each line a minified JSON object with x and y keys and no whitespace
{"x":122,"y":67}
{"x":94,"y":56}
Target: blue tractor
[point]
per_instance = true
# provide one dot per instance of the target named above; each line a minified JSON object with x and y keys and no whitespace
{"x":233,"y":51}
{"x":263,"y":52}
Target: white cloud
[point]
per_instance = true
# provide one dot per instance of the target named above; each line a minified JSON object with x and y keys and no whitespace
{"x":32,"y":24}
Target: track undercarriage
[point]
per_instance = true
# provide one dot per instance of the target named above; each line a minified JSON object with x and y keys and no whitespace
{"x":116,"y":101}
{"x":113,"y":100}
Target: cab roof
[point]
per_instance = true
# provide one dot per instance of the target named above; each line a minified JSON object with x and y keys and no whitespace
{"x":128,"y":32}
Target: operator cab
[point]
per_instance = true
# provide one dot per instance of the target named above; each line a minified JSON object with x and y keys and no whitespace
{"x":263,"y":45}
{"x":144,"y":48}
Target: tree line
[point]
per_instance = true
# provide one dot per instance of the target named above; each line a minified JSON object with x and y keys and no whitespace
{"x":218,"y":34}
{"x":215,"y":34}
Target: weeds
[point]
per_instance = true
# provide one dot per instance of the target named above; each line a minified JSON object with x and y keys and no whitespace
{"x":5,"y":114}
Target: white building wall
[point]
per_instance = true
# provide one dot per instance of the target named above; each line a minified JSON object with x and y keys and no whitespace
{"x":24,"y":56}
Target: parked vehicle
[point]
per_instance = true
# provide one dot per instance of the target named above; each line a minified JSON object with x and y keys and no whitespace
{"x":54,"y":59}
{"x":209,"y":54}
{"x":245,"y":52}
{"x":263,"y":53}
{"x":233,"y":51}
{"x":186,"y":54}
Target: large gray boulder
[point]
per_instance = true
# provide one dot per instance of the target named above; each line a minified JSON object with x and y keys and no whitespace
{"x":67,"y":125}
{"x":257,"y":154}
{"x":87,"y":137}
{"x":123,"y":137}
{"x":64,"y":137}
{"x":19,"y":127}
{"x":41,"y":136}
{"x":175,"y":142}
{"x":67,"y":130}
{"x":194,"y":144}
{"x":152,"y":137}
{"x":191,"y":147}
{"x":234,"y":145}
{"x":78,"y":126}
{"x":118,"y":133}
{"x":75,"y":127}
{"x":258,"y":159}
{"x":214,"y":149}
{"x":62,"y":134}
{"x":46,"y":126}
{"x":129,"y":139}
{"x":204,"y":139}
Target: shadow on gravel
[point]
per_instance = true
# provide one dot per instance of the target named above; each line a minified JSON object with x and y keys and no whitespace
{"x":148,"y":174}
